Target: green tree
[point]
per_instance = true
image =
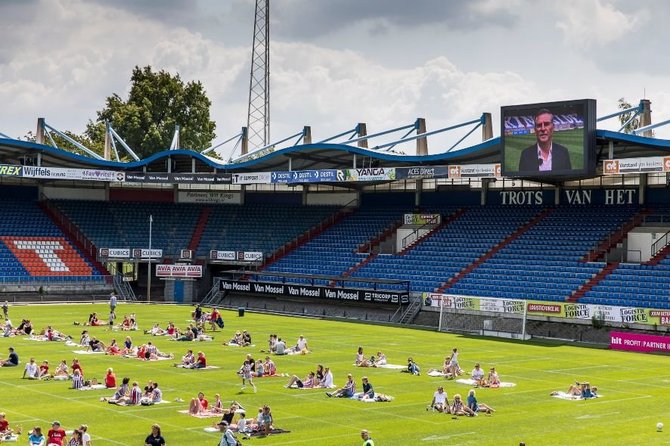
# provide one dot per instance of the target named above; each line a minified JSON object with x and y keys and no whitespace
{"x":156,"y":103}
{"x":623,"y":118}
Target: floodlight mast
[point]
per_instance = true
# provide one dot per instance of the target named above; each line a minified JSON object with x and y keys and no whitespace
{"x":258,"y":116}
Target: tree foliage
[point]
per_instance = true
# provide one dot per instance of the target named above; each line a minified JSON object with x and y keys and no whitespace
{"x":156,"y":103}
{"x":623,"y":118}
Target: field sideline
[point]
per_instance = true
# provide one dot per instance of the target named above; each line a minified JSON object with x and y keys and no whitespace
{"x":634,"y":386}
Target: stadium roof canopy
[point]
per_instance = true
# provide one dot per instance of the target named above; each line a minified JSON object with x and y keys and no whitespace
{"x":309,"y":156}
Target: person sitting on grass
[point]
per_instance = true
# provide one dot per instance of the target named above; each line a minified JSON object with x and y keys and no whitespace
{"x":110,"y":379}
{"x":156,"y":330}
{"x":478,"y":407}
{"x":229,"y":413}
{"x":200,"y":362}
{"x":135,"y":396}
{"x":31,"y":371}
{"x":113,"y":348}
{"x":5,"y":430}
{"x":361,"y":360}
{"x":121,"y":395}
{"x":301,"y":345}
{"x":199,"y":405}
{"x":379,"y":360}
{"x":62,"y":371}
{"x":36,"y":437}
{"x":94,"y":321}
{"x":327,"y":382}
{"x":440,"y":401}
{"x":43,"y":371}
{"x":269,"y":367}
{"x":460,"y":409}
{"x":237,"y":340}
{"x":84,"y":339}
{"x":412,"y":367}
{"x":187,"y":360}
{"x":307,"y":383}
{"x":96,"y":345}
{"x":368,"y":392}
{"x":347,"y":391}
{"x":477,"y":376}
{"x":217,"y":406}
{"x":492,"y":379}
{"x":77,"y":379}
{"x":12,"y":360}
{"x":280,"y":347}
{"x":56,"y":435}
{"x":243,"y":425}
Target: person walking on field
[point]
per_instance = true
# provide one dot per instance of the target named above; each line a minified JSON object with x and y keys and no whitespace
{"x":367,"y":441}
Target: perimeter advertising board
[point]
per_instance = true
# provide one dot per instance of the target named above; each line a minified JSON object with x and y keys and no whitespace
{"x":297,"y":290}
{"x":561,"y":310}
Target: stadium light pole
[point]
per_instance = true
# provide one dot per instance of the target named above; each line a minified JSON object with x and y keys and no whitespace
{"x":151,"y":221}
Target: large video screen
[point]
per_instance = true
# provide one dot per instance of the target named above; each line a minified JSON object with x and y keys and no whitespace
{"x":552,"y":139}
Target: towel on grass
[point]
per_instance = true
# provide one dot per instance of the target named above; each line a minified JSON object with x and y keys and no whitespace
{"x":472,"y":382}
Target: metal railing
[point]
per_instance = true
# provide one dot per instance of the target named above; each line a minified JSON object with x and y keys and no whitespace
{"x":416,"y":233}
{"x":213,"y":295}
{"x":308,"y":234}
{"x":661,"y":243}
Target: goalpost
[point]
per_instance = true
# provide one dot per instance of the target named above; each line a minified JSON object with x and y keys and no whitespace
{"x":486,"y":316}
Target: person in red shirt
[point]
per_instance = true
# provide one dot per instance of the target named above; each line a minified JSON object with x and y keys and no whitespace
{"x":198,"y":405}
{"x":44,"y":369}
{"x":56,"y":435}
{"x":77,"y":366}
{"x":200,"y":362}
{"x":110,"y":379}
{"x":4,"y":425}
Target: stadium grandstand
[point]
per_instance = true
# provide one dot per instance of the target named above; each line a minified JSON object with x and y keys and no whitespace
{"x":343,"y":229}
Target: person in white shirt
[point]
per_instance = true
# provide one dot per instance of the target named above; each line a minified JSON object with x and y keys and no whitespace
{"x":477,"y":375}
{"x":301,"y":344}
{"x":327,"y":382}
{"x":228,"y":438}
{"x":440,"y":400}
{"x":32,"y":370}
{"x":280,"y":347}
{"x":85,"y":436}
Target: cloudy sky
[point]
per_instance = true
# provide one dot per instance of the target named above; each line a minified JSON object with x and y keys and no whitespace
{"x":337,"y":62}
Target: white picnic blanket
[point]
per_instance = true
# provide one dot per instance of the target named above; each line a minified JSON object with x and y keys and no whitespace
{"x":87,"y":352}
{"x":472,"y":382}
{"x":567,"y":396}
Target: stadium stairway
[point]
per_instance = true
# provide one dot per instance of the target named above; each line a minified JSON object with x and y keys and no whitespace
{"x":199,"y":228}
{"x":490,"y":253}
{"x":369,"y":246}
{"x":616,"y":237}
{"x":305,"y":237}
{"x":660,"y":255}
{"x":445,"y":222}
{"x":74,"y":234}
{"x":369,"y":258}
{"x":595,"y":280}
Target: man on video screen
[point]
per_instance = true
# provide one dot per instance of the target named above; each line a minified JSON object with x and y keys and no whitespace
{"x":545,"y":155}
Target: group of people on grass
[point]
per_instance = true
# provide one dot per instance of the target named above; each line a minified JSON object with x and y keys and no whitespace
{"x":458,"y":407}
{"x":133,"y":395}
{"x":278,"y":346}
{"x":374,"y":361}
{"x":55,"y":436}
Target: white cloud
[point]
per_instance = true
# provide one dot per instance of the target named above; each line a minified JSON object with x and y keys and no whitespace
{"x":586,"y":23}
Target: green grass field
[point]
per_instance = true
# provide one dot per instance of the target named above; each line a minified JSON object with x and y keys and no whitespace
{"x":573,"y":140}
{"x":634,"y":387}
